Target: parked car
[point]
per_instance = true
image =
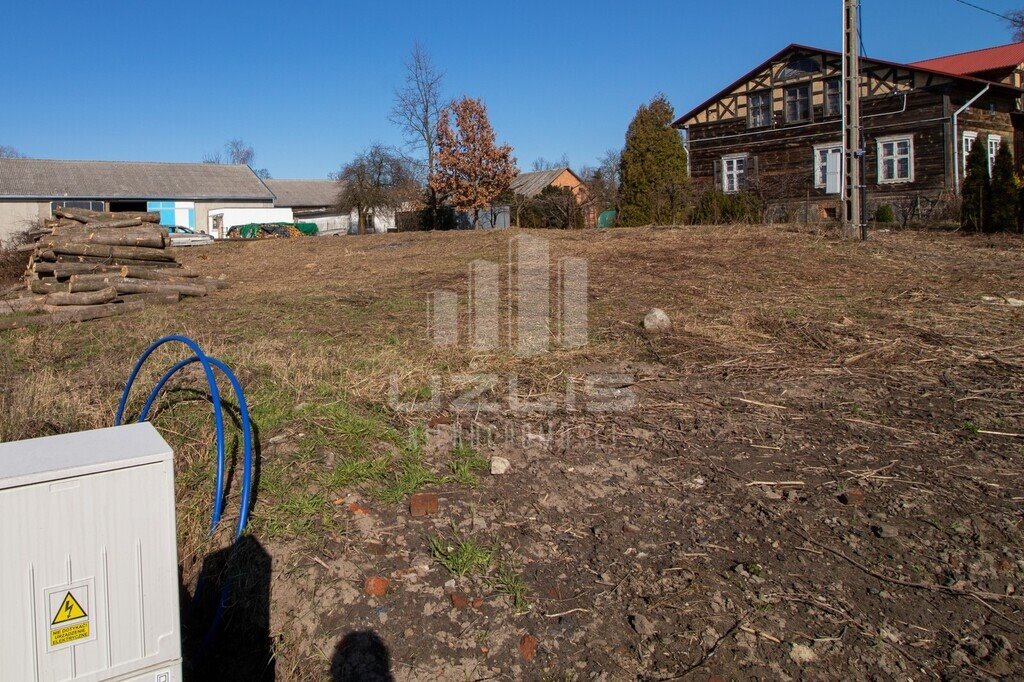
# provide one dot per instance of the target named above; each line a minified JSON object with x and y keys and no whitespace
{"x":186,"y":236}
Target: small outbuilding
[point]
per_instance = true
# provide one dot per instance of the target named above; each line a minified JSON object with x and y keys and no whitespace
{"x":316,"y":201}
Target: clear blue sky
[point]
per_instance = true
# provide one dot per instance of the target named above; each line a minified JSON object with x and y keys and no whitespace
{"x":309,"y":83}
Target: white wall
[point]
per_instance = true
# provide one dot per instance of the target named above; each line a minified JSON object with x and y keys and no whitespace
{"x":203,"y":209}
{"x":17,"y":216}
{"x":329,"y":224}
{"x":244,"y":216}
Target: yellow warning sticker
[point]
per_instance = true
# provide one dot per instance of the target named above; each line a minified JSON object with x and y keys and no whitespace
{"x":70,"y":610}
{"x":69,"y":633}
{"x":69,"y":614}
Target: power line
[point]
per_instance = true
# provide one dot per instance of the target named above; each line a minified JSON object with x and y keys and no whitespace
{"x":985,"y":10}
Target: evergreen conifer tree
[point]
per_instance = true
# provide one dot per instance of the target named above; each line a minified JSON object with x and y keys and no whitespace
{"x":654,"y":183}
{"x":976,"y":192}
{"x":1003,"y":211}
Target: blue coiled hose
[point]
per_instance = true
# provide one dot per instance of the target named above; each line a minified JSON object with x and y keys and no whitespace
{"x":208,"y":363}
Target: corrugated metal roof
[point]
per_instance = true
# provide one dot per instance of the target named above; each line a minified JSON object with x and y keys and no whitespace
{"x":53,"y":179}
{"x":304,"y":193}
{"x":531,"y":184}
{"x":977,"y":61}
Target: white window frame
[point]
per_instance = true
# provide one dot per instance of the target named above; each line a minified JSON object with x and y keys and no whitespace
{"x":739,"y":177}
{"x":995,"y":142}
{"x":895,"y":140}
{"x":820,"y":171}
{"x":828,"y":111}
{"x":771,"y":109}
{"x":965,"y":148}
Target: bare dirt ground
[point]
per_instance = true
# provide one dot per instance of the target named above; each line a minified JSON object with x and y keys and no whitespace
{"x":819,"y":473}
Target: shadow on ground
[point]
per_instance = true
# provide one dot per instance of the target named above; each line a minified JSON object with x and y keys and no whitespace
{"x":361,"y":655}
{"x":226,"y":623}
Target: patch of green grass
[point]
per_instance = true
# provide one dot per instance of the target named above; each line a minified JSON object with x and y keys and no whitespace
{"x":461,"y":556}
{"x":509,"y":581}
{"x":412,"y":473}
{"x":970,"y":426}
{"x":351,"y":471}
{"x":357,"y":432}
{"x":301,"y":514}
{"x":465,"y":462}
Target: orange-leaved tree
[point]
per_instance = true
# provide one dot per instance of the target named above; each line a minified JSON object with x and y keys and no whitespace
{"x":471,"y":170}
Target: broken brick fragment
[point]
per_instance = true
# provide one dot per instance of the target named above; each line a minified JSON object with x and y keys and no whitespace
{"x":528,"y":646}
{"x":376,"y":586}
{"x":423,"y":504}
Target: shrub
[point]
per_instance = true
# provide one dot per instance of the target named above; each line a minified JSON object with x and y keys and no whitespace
{"x":1003,"y":208}
{"x":12,"y":262}
{"x":555,"y":207}
{"x":885,"y":214}
{"x":715,"y":207}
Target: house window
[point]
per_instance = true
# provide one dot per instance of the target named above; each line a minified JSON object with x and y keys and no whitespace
{"x":91,"y":205}
{"x":833,"y":97}
{"x":799,"y":67}
{"x":734,"y":173}
{"x":895,"y":160}
{"x":798,"y":103}
{"x":968,"y":145}
{"x":760,"y":105}
{"x":994,"y":143}
{"x":828,"y":167}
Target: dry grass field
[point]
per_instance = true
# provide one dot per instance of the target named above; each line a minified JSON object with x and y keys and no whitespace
{"x":819,"y":474}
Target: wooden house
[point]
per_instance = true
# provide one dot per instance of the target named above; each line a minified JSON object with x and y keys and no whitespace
{"x":777,"y":130}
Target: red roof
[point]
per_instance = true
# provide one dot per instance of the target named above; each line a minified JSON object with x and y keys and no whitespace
{"x":978,"y":61}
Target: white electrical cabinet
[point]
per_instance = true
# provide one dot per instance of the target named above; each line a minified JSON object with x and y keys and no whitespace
{"x":88,"y":558}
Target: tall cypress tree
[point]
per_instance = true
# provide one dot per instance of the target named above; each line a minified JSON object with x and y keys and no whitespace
{"x":654,"y":184}
{"x":1003,"y":212}
{"x":976,"y":192}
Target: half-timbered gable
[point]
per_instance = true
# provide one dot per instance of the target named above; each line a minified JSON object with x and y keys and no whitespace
{"x":777,"y":130}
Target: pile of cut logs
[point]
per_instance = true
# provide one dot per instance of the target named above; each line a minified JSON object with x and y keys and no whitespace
{"x":89,"y":264}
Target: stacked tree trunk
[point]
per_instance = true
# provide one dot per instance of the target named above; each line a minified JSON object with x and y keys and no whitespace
{"x":90,"y":264}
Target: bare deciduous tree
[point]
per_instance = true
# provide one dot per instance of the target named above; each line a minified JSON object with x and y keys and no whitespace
{"x":603,"y":181}
{"x":377,"y":179}
{"x":416,"y":111}
{"x":542,"y":164}
{"x":239,"y":152}
{"x":236,"y":151}
{"x":1016,"y":21}
{"x":8,"y":152}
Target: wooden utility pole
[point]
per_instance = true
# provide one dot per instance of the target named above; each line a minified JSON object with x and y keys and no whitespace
{"x":854,"y":224}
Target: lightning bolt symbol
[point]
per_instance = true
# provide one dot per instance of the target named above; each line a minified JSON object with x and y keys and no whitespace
{"x":67,"y":609}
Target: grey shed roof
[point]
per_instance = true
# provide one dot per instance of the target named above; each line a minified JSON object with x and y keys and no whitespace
{"x":531,"y":184}
{"x":52,"y":179}
{"x":304,"y":193}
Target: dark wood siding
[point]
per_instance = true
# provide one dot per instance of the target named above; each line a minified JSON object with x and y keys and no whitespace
{"x":785,"y":153}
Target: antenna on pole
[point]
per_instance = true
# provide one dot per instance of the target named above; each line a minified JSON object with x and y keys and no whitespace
{"x":854,"y":188}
